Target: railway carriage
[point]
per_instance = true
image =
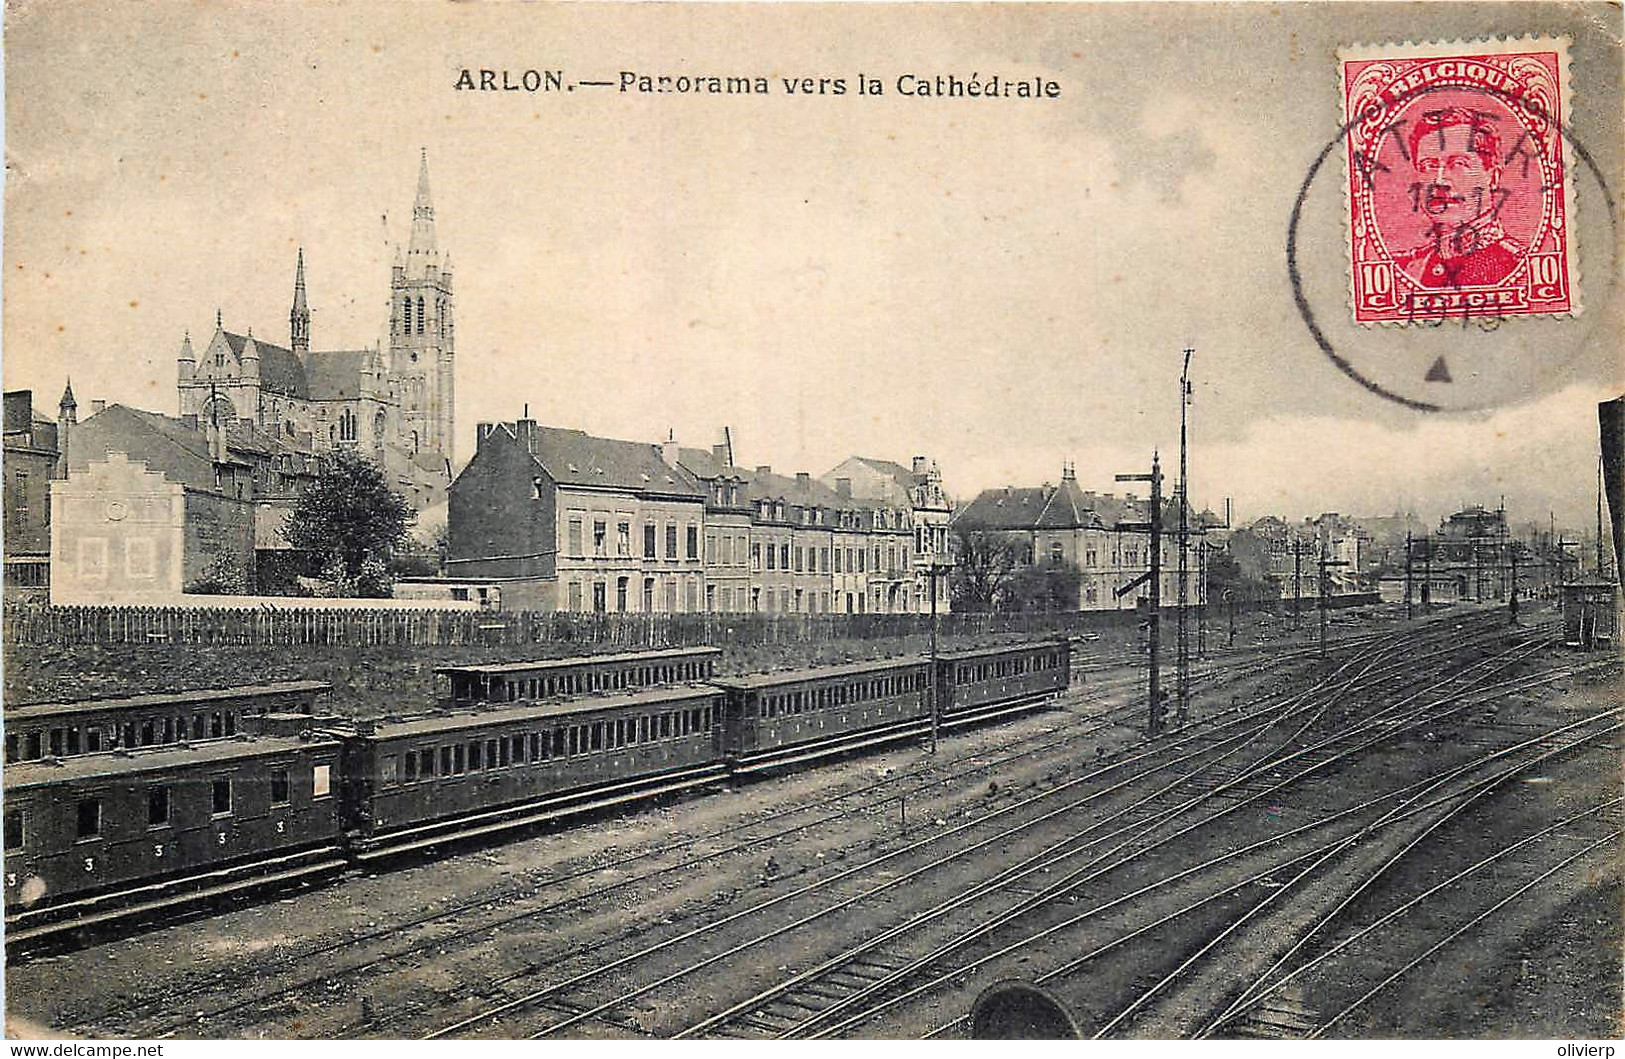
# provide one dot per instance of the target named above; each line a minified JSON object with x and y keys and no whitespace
{"x":97,"y":830}
{"x":65,"y":729}
{"x":422,"y":781}
{"x":777,"y":719}
{"x":557,"y":677}
{"x":988,"y":682}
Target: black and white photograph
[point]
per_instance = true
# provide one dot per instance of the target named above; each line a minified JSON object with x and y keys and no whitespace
{"x":920,"y":522}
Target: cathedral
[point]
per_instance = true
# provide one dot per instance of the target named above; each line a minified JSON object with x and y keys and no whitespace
{"x":396,"y":406}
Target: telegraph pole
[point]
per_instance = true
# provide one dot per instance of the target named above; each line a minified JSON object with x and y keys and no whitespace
{"x":1201,"y":601}
{"x":936,"y":712}
{"x":1325,"y":583}
{"x":1184,"y":667}
{"x":1408,"y":612}
{"x":1297,"y":579}
{"x":1427,"y":573}
{"x":1154,"y":722}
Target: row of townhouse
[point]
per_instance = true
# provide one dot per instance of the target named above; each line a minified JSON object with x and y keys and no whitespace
{"x":558,"y":519}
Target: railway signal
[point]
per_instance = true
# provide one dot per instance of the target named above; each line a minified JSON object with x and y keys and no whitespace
{"x":1154,"y":577}
{"x":1325,"y":603}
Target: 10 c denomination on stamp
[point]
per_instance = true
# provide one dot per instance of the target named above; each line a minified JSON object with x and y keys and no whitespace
{"x":1458,"y":191}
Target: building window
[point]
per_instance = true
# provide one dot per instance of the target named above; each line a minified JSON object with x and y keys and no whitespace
{"x":837,"y":560}
{"x":321,"y":781}
{"x":157,"y":806}
{"x":693,"y":595}
{"x":574,"y":596}
{"x":784,"y":556}
{"x":825,"y":558}
{"x":671,"y":540}
{"x":741,"y":552}
{"x":1057,"y":553}
{"x":671,"y":596}
{"x":710,"y":549}
{"x":600,"y":531}
{"x":420,"y":314}
{"x":89,"y":817}
{"x":798,"y":558}
{"x":623,"y":538}
{"x":574,"y":538}
{"x":693,"y":541}
{"x":14,"y":829}
{"x":279,"y":786}
{"x":648,"y":594}
{"x":600,"y":601}
{"x":772,"y":557}
{"x":649,"y":540}
{"x":620,"y":594}
{"x":756,"y":556}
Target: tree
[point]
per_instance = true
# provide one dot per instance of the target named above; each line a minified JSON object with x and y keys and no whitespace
{"x":1046,"y":588}
{"x":984,"y":563}
{"x":351,"y":522}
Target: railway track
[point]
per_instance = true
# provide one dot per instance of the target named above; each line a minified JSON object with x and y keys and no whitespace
{"x":819,"y":993}
{"x":568,"y":988}
{"x":753,"y":834}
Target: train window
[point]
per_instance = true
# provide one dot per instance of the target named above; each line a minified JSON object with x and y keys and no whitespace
{"x":13,"y":747}
{"x":388,"y":770}
{"x":496,"y":752}
{"x":279,"y":787}
{"x":706,"y":720}
{"x":598,"y":735}
{"x":538,"y":746}
{"x":476,"y":755}
{"x":231,"y":723}
{"x":169,"y":731}
{"x":90,"y":817}
{"x":321,"y":781}
{"x":197,"y":726}
{"x":643,"y":729}
{"x":558,"y":742}
{"x":14,"y":829}
{"x":73,"y":740}
{"x":56,"y":742}
{"x":222,"y":797}
{"x":148,"y":737}
{"x":665,"y":726}
{"x":129,"y":733}
{"x":426,"y":762}
{"x":93,"y":740}
{"x":411,"y":763}
{"x":157,"y":806}
{"x":573,"y":746}
{"x":216,"y":724}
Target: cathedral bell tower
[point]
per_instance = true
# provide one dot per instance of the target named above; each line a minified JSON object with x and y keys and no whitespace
{"x":299,"y":315}
{"x":422,"y":339}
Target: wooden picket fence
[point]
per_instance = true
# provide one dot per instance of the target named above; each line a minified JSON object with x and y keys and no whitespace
{"x":44,"y":625}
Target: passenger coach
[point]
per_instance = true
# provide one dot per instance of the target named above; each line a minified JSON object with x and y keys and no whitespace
{"x":775,"y":719}
{"x":556,"y":677}
{"x":80,"y":830}
{"x":64,"y":729}
{"x":988,"y":682}
{"x":420,"y":781}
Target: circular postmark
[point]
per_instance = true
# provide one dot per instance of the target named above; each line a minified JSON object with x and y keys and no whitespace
{"x":1461,"y":234}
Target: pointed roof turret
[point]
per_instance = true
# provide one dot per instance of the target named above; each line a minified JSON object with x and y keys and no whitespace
{"x":186,"y":346}
{"x":67,"y":404}
{"x":299,"y":315}
{"x":420,"y":249}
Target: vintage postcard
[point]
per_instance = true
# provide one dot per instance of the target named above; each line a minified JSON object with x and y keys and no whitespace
{"x":807,"y":521}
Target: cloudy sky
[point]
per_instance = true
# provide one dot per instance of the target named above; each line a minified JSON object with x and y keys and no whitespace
{"x":1001,"y":284}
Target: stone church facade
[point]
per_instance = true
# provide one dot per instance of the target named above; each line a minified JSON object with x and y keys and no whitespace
{"x":396,"y":406}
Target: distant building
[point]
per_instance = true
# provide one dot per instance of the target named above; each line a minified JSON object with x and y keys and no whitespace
{"x":1468,"y":559}
{"x":152,"y":505}
{"x":562,"y":520}
{"x":1095,"y":533}
{"x":395,"y":406}
{"x":919,"y":487}
{"x":32,"y":460}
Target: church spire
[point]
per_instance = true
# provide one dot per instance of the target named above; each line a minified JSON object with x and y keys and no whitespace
{"x":420,"y":250}
{"x":299,"y":315}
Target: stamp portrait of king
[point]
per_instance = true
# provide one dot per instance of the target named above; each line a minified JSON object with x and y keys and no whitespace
{"x":1458,"y":188}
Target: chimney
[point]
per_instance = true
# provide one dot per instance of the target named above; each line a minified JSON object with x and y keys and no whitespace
{"x":803,"y":479}
{"x":97,"y":406}
{"x":668,"y":448}
{"x":920,"y":465}
{"x":843,"y":486}
{"x":525,"y":430}
{"x":481,"y":432}
{"x":764,"y":468}
{"x":719,"y":452}
{"x":1069,"y":471}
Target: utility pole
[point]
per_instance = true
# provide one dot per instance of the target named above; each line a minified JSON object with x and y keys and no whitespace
{"x":1184,"y":666}
{"x":1325,"y":583}
{"x":1297,"y":579}
{"x":936,"y":712}
{"x":1512,"y":597}
{"x":1408,"y":612}
{"x":1427,"y":573}
{"x":1201,"y":601}
{"x":1154,"y":721}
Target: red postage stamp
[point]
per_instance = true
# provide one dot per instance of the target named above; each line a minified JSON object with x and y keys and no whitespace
{"x":1458,"y":181}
